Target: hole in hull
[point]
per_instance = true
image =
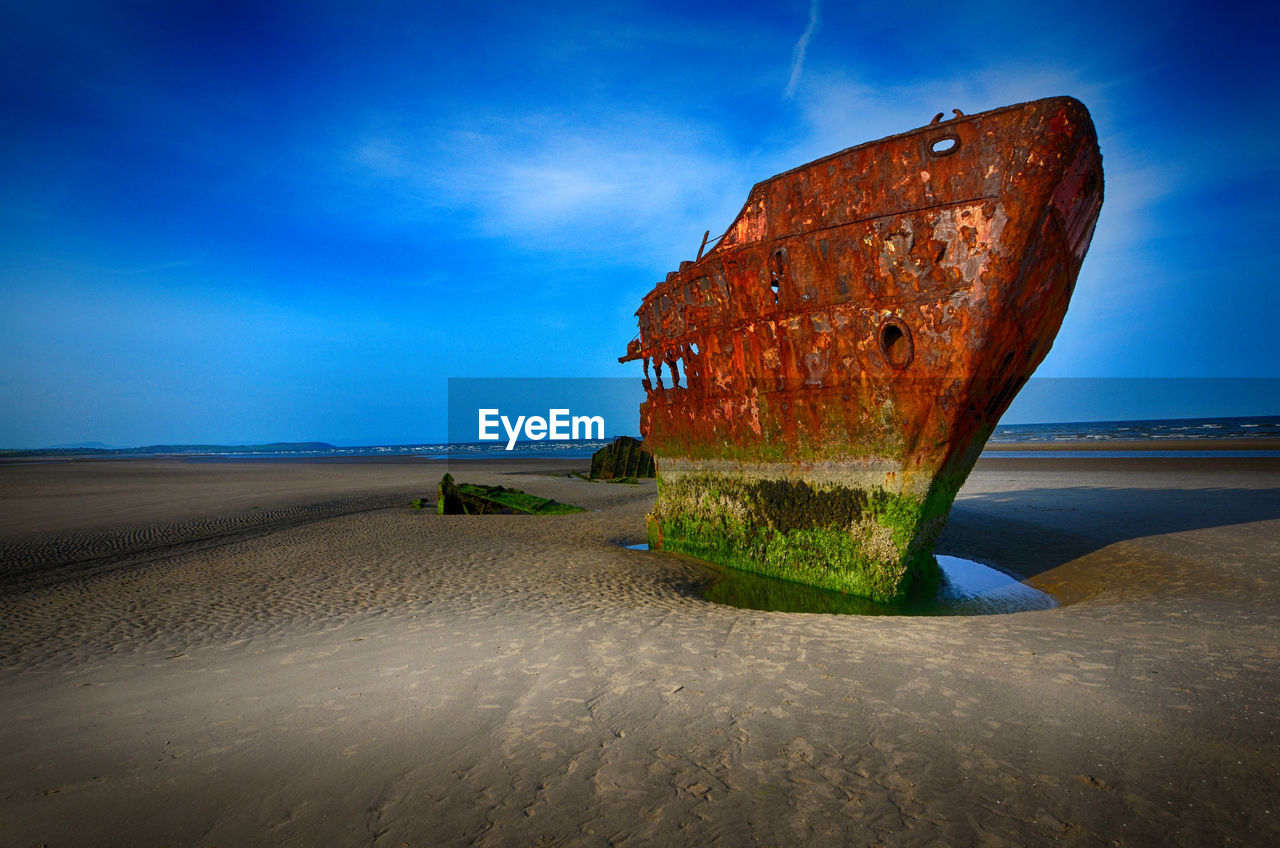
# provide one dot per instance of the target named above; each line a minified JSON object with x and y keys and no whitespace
{"x":777,"y":272}
{"x":945,"y":145}
{"x":896,"y":344}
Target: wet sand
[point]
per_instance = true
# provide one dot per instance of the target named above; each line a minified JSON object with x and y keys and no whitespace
{"x":283,"y":653}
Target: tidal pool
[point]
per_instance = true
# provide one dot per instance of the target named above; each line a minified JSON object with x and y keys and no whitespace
{"x":960,"y":587}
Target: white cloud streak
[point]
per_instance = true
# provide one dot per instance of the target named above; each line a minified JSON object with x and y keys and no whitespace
{"x":638,"y":185}
{"x":802,"y":46}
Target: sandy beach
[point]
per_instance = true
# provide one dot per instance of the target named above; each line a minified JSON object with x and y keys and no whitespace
{"x":284,"y":653}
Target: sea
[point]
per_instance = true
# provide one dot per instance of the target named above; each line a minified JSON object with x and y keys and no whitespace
{"x":1164,"y":437}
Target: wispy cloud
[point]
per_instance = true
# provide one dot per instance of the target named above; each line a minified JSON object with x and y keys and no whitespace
{"x":639,"y":185}
{"x":802,"y":46}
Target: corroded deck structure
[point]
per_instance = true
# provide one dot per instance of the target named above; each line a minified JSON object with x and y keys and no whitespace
{"x":822,"y":380}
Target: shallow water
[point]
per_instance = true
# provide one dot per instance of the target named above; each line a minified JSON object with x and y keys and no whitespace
{"x":962,"y":587}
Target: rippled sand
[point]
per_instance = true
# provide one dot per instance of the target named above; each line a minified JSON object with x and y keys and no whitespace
{"x":285,"y":653}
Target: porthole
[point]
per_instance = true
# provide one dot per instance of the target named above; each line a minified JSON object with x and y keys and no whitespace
{"x":945,"y":145}
{"x":895,"y":343}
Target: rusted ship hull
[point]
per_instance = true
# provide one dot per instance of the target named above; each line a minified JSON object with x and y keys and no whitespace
{"x":821,"y":382}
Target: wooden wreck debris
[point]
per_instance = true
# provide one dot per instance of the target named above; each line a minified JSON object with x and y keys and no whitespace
{"x":473,"y":499}
{"x":626,"y":458}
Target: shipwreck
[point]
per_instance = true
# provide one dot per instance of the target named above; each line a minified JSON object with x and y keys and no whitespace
{"x":821,"y":380}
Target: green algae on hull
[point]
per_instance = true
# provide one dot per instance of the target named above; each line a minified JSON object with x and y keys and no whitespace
{"x":869,"y":543}
{"x":624,"y":459}
{"x":473,"y":499}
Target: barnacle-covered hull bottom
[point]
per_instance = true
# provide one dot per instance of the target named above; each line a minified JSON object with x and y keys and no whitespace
{"x":821,"y":382}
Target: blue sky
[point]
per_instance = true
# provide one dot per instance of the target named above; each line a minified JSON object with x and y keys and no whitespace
{"x":243,"y":222}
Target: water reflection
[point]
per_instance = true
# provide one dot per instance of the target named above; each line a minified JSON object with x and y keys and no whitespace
{"x":959,"y":587}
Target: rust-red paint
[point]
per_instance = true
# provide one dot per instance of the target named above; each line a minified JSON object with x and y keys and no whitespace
{"x":878,"y":308}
